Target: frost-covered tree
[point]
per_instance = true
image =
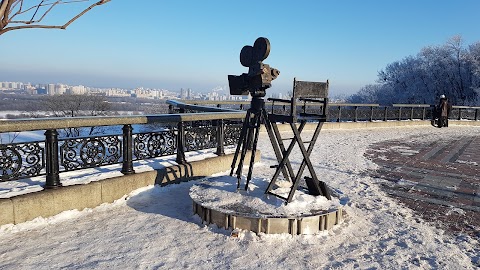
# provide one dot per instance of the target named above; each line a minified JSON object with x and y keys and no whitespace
{"x":450,"y":69}
{"x":77,"y":105}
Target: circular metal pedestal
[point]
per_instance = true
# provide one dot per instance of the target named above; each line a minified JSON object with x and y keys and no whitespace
{"x":235,"y":213}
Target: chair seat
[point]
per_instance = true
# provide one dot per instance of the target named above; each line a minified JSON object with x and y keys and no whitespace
{"x":312,"y":116}
{"x":281,"y":118}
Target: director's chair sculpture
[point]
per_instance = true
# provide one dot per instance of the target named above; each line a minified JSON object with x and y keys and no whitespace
{"x":305,"y":93}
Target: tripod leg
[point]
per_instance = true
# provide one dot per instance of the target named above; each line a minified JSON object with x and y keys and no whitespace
{"x":257,"y":122}
{"x":240,"y":140}
{"x":245,"y":143}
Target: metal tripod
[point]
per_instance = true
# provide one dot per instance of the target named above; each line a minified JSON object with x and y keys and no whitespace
{"x":256,"y":115}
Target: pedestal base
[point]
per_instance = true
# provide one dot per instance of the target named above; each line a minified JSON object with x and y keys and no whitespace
{"x":217,"y":201}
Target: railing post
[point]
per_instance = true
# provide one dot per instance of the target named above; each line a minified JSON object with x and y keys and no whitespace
{"x":339,"y":113}
{"x":356,"y":114}
{"x":220,"y":137}
{"x":127,"y":166}
{"x":180,"y":144}
{"x":385,"y":115}
{"x":423,"y":113}
{"x":371,"y":113}
{"x":52,"y":166}
{"x":411,"y":114}
{"x":399,"y":113}
{"x":459,"y":113}
{"x":476,"y":114}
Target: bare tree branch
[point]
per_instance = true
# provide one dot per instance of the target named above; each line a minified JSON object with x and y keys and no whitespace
{"x":99,"y":3}
{"x":9,"y":9}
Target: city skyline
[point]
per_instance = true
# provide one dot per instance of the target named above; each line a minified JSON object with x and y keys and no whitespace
{"x":188,"y":44}
{"x":140,"y":92}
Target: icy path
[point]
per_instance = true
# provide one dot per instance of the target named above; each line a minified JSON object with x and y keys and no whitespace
{"x":154,"y":227}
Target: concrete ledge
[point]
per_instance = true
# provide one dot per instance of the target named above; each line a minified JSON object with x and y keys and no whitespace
{"x":48,"y":203}
{"x":198,"y":169}
{"x":77,"y":197}
{"x":29,"y":206}
{"x":463,"y":123}
{"x":6,"y":211}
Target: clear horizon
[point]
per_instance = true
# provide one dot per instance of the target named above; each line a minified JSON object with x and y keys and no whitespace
{"x":188,"y":44}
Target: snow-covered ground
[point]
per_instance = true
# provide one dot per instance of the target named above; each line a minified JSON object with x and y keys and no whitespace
{"x":154,"y":227}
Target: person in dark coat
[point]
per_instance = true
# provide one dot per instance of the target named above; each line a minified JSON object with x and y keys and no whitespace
{"x":443,"y":111}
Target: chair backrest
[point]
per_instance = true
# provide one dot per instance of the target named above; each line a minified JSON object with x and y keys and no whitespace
{"x":310,"y":91}
{"x":304,"y":89}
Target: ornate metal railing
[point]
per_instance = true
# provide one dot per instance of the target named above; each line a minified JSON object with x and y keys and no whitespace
{"x":212,"y":127}
{"x":178,"y":133}
{"x":341,"y":112}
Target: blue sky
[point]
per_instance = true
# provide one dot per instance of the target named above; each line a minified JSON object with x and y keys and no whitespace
{"x":196,"y":44}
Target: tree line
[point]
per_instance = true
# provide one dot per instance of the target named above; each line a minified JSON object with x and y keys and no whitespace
{"x":77,"y":105}
{"x":451,"y":69}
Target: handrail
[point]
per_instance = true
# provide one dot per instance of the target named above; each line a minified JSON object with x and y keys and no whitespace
{"x":182,"y":105}
{"x":412,"y":105}
{"x":464,"y":107}
{"x":215,"y":101}
{"x":353,"y":104}
{"x":89,"y":121}
{"x":277,"y":101}
{"x":233,"y":102}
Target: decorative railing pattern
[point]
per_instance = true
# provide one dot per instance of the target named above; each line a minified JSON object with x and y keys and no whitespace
{"x":154,"y":144}
{"x":232,"y":133}
{"x":21,"y":160}
{"x":201,"y":137}
{"x":89,"y":152}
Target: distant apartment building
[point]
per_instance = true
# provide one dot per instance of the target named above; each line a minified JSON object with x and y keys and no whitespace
{"x":115,"y":92}
{"x":77,"y":90}
{"x":60,"y":89}
{"x":50,"y":89}
{"x":147,"y":93}
{"x":11,"y":86}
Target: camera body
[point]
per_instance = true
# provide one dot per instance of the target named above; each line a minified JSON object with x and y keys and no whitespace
{"x":259,"y":77}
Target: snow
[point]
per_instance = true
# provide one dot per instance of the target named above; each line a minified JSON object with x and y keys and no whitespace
{"x":154,"y":228}
{"x":220,"y":193}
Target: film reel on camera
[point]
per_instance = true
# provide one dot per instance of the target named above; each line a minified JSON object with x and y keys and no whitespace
{"x":251,"y":55}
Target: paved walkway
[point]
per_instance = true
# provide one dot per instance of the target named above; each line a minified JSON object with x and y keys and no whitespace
{"x":440,"y":180}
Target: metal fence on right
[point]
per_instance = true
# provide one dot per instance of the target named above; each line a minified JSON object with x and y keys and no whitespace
{"x":350,"y":112}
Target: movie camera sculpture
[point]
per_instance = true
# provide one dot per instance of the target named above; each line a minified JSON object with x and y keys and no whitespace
{"x":256,"y":82}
